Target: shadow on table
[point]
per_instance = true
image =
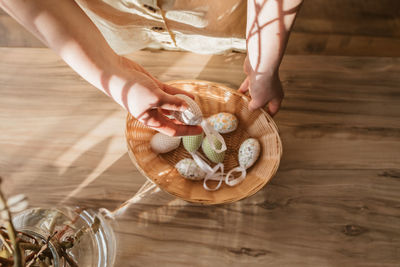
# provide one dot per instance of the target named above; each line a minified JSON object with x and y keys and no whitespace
{"x":232,"y":68}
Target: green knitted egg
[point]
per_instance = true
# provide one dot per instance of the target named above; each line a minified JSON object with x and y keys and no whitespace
{"x":192,"y":143}
{"x":210,"y":153}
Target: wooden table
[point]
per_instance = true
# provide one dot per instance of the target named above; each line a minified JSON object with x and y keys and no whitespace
{"x":335,"y":200}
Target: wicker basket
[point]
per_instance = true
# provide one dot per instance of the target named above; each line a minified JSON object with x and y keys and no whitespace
{"x":212,"y":98}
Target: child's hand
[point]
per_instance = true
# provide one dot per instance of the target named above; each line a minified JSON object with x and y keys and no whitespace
{"x":265,"y":89}
{"x":149,"y":100}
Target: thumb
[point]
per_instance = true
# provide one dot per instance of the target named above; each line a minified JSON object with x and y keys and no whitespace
{"x":274,"y":105}
{"x":171,"y":102}
{"x":254,"y":104}
{"x":244,"y":87}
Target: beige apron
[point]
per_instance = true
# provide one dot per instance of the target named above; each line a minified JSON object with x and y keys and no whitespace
{"x":199,"y":26}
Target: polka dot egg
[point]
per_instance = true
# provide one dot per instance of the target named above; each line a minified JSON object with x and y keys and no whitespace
{"x":223,"y":122}
{"x":249,"y":152}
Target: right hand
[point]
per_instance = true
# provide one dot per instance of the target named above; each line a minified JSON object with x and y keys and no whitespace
{"x":150,"y":100}
{"x":265,"y":90}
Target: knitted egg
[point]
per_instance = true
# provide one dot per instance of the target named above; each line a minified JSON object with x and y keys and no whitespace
{"x":248,"y":152}
{"x":210,"y":153}
{"x":192,"y":143}
{"x":223,"y":122}
{"x":189,"y":169}
{"x":191,"y":116}
{"x":161,"y":143}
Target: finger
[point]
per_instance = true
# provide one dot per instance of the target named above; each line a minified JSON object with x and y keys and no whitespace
{"x":171,"y":102}
{"x":174,"y":91}
{"x":244,"y":87}
{"x":154,"y":119}
{"x":274,"y":106}
{"x":166,"y":112}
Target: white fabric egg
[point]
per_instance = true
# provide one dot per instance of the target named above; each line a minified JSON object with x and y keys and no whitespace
{"x":161,"y":143}
{"x":189,"y":169}
{"x":249,"y":152}
{"x":223,"y":122}
{"x":191,"y":116}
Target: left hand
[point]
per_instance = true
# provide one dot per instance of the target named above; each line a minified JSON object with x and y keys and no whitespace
{"x":149,"y":100}
{"x":265,"y":89}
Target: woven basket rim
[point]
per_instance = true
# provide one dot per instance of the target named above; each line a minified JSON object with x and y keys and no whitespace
{"x":225,"y":87}
{"x":247,"y":98}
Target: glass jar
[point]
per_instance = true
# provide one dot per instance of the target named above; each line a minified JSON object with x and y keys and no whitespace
{"x":87,"y":237}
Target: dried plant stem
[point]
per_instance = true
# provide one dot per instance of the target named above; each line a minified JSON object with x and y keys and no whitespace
{"x":6,"y":215}
{"x":44,"y":247}
{"x":62,"y":232}
{"x":28,"y":251}
{"x":29,"y":236}
{"x":5,"y":262}
{"x":70,"y":261}
{"x":30,"y":256}
{"x":29,"y":246}
{"x":5,"y":243}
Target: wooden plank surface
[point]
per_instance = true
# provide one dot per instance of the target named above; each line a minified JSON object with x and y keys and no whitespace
{"x":334,"y":202}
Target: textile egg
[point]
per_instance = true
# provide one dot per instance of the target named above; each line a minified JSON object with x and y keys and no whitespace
{"x":191,"y":116}
{"x":210,"y":153}
{"x":161,"y":143}
{"x":192,"y":143}
{"x":189,"y":169}
{"x":223,"y":122}
{"x":248,"y":152}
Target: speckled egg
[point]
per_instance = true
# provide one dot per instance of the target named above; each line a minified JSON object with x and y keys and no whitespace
{"x":161,"y":143}
{"x":248,"y":152}
{"x":192,"y":143}
{"x":191,"y":116}
{"x":210,"y":153}
{"x":189,"y":169}
{"x":223,"y":122}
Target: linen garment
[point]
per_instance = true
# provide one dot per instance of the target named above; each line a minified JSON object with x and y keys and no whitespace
{"x":199,"y":26}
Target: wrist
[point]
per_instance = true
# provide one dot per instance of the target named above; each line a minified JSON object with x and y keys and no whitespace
{"x":269,"y":76}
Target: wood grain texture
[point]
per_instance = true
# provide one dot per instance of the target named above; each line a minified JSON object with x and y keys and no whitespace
{"x":334,"y":201}
{"x":12,"y":34}
{"x":347,"y":28}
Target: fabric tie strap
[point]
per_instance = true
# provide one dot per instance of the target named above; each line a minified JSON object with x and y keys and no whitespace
{"x":211,"y":173}
{"x":211,"y":132}
{"x":215,"y":176}
{"x":234,"y":181}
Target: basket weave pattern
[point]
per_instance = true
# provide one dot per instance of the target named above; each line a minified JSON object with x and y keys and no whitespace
{"x":212,"y":98}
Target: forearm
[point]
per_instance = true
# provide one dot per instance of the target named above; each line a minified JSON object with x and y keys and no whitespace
{"x":268,"y":27}
{"x":65,"y":28}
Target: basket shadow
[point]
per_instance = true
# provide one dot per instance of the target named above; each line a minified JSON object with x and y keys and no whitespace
{"x":107,"y":188}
